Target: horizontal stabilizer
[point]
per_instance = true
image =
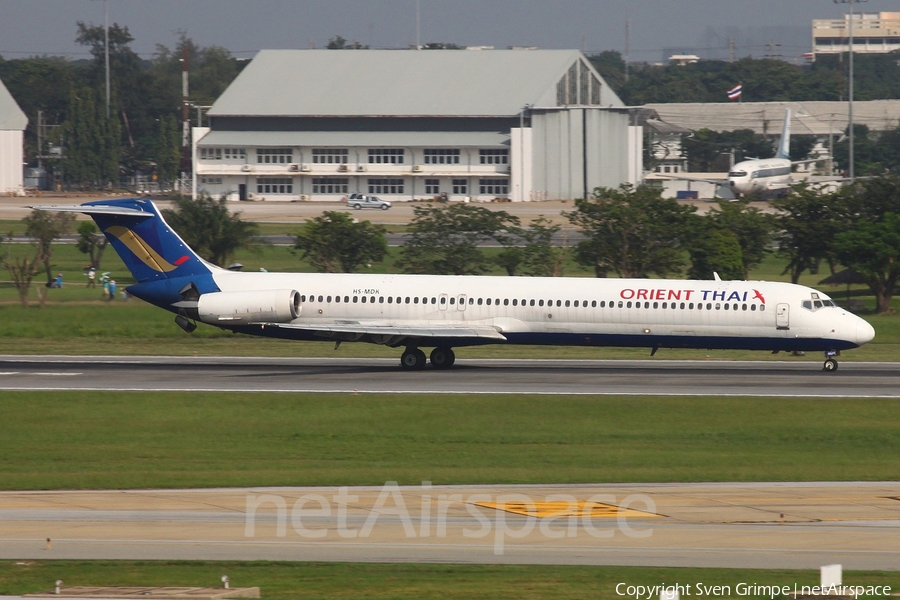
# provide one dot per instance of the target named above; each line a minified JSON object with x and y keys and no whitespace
{"x":119,"y":211}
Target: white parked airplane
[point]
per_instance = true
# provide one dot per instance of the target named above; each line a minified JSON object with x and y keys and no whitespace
{"x":444,"y":312}
{"x":757,"y":175}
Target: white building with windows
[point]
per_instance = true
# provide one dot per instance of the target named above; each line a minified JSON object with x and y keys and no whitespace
{"x":873,"y":33}
{"x":403,"y":124}
{"x":12,"y":129}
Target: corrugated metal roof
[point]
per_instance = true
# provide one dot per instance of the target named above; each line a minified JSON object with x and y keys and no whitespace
{"x":11,"y":116}
{"x":332,"y":139}
{"x":816,"y":118}
{"x":398,"y":83}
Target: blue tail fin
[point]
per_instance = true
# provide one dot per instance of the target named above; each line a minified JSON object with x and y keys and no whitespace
{"x":147,"y":245}
{"x":784,"y":144}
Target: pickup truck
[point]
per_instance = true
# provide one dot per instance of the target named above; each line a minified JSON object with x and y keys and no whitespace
{"x":358,"y":201}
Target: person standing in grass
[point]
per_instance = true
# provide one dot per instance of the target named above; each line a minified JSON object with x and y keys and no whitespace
{"x":92,"y":277}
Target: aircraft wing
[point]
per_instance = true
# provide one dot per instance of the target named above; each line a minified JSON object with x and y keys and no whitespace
{"x":713,"y":180}
{"x":390,"y":334}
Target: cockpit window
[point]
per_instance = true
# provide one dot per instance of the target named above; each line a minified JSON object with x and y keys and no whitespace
{"x":814,"y":305}
{"x":737,"y":174}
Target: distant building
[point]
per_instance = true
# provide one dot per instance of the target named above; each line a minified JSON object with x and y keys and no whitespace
{"x":873,"y":33}
{"x":511,"y":124}
{"x":683,"y":59}
{"x":12,"y":127}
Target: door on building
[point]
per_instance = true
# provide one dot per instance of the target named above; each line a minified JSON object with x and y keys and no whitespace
{"x":242,"y":191}
{"x":782,"y":316}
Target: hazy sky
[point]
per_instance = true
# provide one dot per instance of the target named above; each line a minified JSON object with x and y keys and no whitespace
{"x":657,"y":27}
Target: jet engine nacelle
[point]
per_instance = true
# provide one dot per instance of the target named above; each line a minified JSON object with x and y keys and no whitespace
{"x":239,"y":308}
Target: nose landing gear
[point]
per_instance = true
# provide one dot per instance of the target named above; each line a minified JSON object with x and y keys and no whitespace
{"x":831,"y":364}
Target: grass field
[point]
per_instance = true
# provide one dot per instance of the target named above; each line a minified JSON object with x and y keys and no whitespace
{"x":69,"y":440}
{"x":406,"y":581}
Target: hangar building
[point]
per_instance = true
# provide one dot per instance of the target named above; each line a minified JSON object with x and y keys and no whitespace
{"x":402,"y":124}
{"x":12,"y":127}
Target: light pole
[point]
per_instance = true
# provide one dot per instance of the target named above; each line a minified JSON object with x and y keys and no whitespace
{"x":851,"y":171}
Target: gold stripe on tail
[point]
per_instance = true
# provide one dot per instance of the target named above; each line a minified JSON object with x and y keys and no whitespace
{"x":141,"y":249}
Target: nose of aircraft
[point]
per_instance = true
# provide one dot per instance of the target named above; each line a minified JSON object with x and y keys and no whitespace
{"x":864,"y":332}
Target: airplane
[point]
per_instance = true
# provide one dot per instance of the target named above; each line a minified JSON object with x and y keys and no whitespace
{"x":445,"y":311}
{"x":757,"y":175}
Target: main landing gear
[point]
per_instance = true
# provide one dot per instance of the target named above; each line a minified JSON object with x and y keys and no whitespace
{"x":413,"y":359}
{"x":831,"y":364}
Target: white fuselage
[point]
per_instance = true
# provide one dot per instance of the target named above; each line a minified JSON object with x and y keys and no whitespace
{"x":760,"y":175}
{"x":629,"y":312}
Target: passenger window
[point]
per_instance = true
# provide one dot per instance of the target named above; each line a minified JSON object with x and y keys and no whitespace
{"x":709,"y":306}
{"x":346,"y":298}
{"x":372,"y":299}
{"x":320,"y":298}
{"x":762,"y":307}
{"x":452,"y":300}
{"x":416,"y":300}
{"x":328,"y":299}
{"x":480,"y":301}
{"x":540,"y":302}
{"x":752,"y":307}
{"x":390,"y":299}
{"x":337,"y":299}
{"x":363,"y":298}
{"x":726,"y":307}
{"x":718,"y":306}
{"x":488,"y":301}
{"x":682,"y":306}
{"x":443,"y":300}
{"x":532,"y":303}
{"x":656,"y":305}
{"x":628,"y":304}
{"x":620,"y":304}
{"x":506,"y":302}
{"x":380,"y":299}
{"x":559,"y":303}
{"x":576,"y":304}
{"x":743,"y":307}
{"x":471,"y":301}
{"x":567,"y":303}
{"x":407,"y":300}
{"x":515,"y":302}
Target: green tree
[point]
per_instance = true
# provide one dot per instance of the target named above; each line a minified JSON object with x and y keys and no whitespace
{"x":91,"y":242}
{"x":444,"y":239}
{"x":339,"y":43}
{"x":45,"y":227}
{"x":632,"y":231}
{"x":335,"y":242}
{"x":807,"y":221}
{"x":873,"y":249}
{"x":168,"y":148}
{"x":208,"y":227}
{"x":22,"y":265}
{"x":540,"y":257}
{"x":752,"y":229}
{"x":715,"y":250}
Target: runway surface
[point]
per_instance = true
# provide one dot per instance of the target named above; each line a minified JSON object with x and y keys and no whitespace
{"x":763,"y":525}
{"x":468,"y":376}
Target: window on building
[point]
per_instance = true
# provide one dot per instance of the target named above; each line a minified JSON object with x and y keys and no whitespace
{"x":441,"y":156}
{"x":330,"y":185}
{"x":393,"y":156}
{"x":494,"y":156}
{"x":235,"y":153}
{"x":274,"y":185}
{"x":210,"y":153}
{"x":330,"y":156}
{"x":461,"y":186}
{"x":386,"y":186}
{"x":211,"y":180}
{"x":274,"y":155}
{"x":493,"y":186}
{"x":433,"y":186}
